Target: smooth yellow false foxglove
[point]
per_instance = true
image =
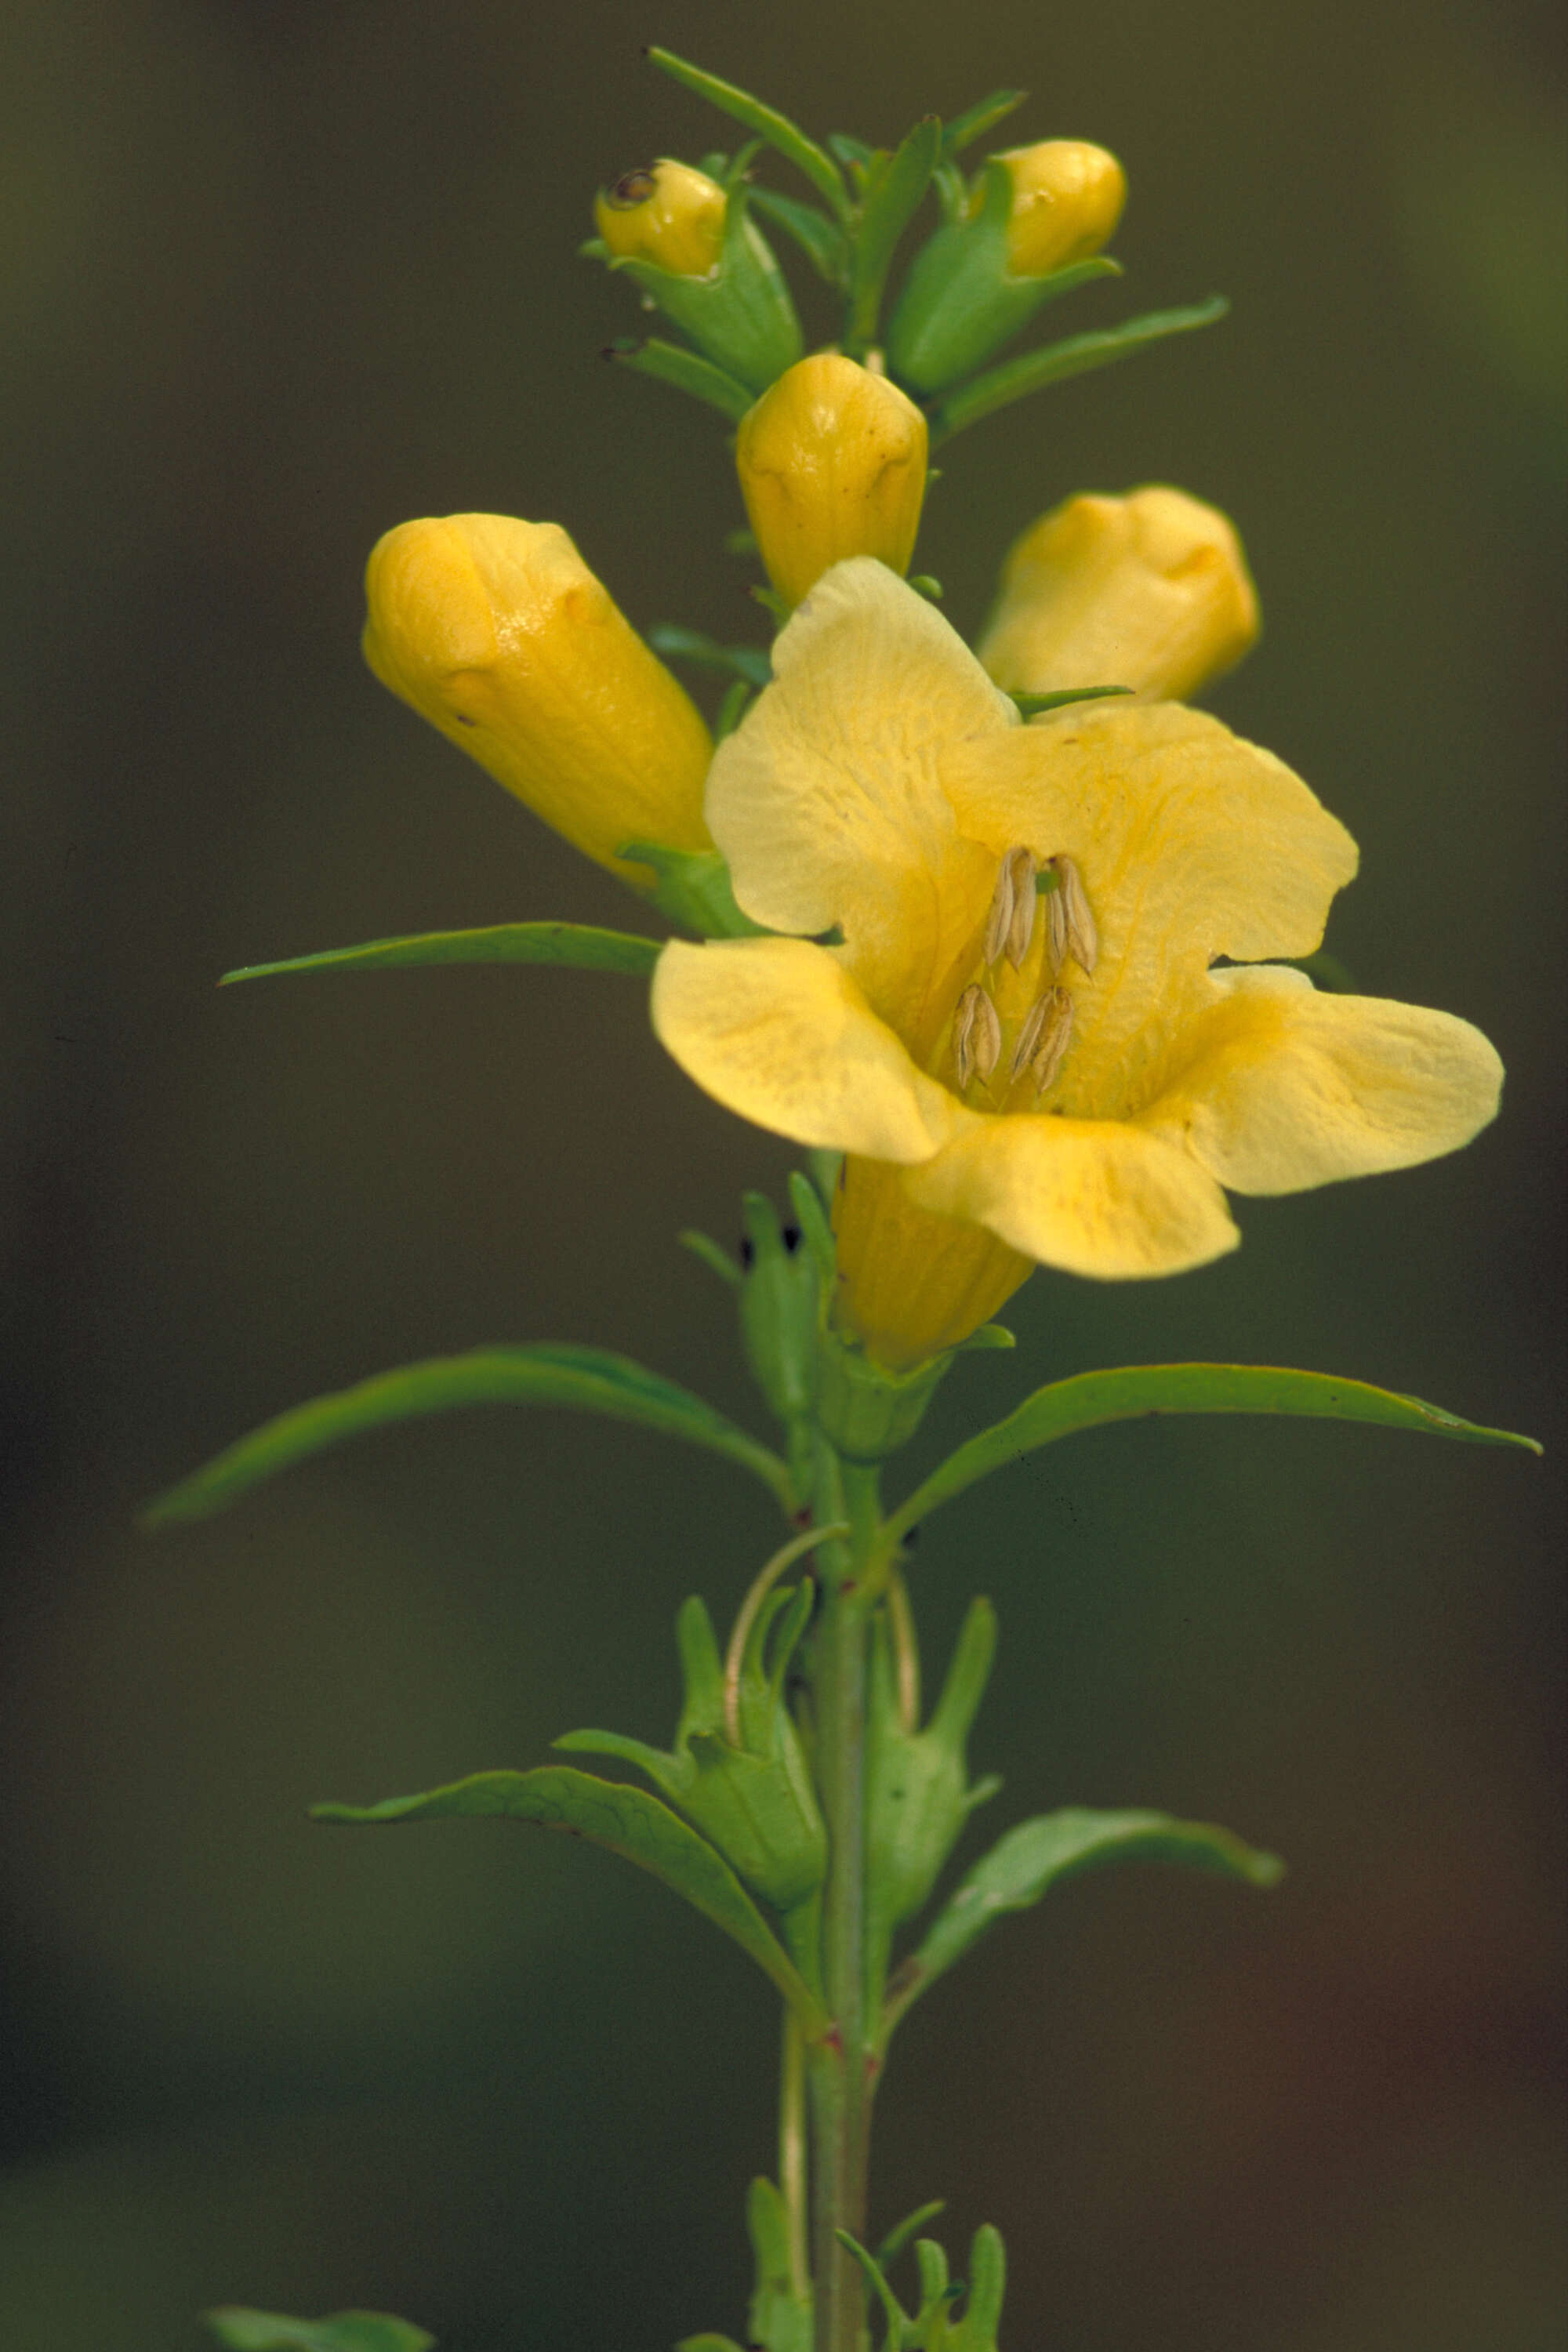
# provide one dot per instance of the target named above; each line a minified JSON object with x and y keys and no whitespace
{"x":1068,"y":198}
{"x":833,"y":463}
{"x":670,"y":215}
{"x":496,"y":632}
{"x":1150,"y":591}
{"x":1068,"y":1079}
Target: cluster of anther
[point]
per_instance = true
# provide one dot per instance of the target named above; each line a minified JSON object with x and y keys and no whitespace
{"x":1046,"y":1030}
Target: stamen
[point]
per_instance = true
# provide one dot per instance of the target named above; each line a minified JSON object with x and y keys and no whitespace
{"x":976,"y":1035}
{"x":1081,"y":937}
{"x":1055,"y":1033}
{"x":1028,"y":1035}
{"x":962,"y":1030}
{"x":1057,"y":921}
{"x":1020,"y":867}
{"x":987,"y":1038}
{"x":999,"y":921}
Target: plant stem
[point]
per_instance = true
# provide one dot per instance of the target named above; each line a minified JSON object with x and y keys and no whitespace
{"x":840,"y":2071}
{"x":791,"y":2147}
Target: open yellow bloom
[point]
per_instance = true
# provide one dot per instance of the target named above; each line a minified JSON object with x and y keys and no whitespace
{"x":1022,"y":1078}
{"x":1150,"y":591}
{"x":496,"y":632}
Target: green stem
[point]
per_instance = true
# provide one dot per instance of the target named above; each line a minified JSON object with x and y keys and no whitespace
{"x":791,"y":2148}
{"x":841,"y":2069}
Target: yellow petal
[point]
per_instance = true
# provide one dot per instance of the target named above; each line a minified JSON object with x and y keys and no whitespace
{"x":826,"y":800}
{"x":1067,"y":200}
{"x":777,"y":1031}
{"x":1286,"y":1088}
{"x":1089,"y":1196}
{"x":1190,"y":844}
{"x":1150,"y":591}
{"x":497,"y":633}
{"x":832,"y":461}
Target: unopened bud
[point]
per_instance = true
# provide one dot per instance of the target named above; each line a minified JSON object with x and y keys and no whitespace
{"x":497,"y":633}
{"x":1150,"y":591}
{"x":695,"y":253}
{"x":1066,"y":200}
{"x":832,"y":462}
{"x":1032,"y":211}
{"x":670,"y":215}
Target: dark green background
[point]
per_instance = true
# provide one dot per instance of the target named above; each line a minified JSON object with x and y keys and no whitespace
{"x":276,"y":275}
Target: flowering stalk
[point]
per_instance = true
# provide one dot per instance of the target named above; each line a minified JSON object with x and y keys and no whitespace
{"x":1012,"y":943}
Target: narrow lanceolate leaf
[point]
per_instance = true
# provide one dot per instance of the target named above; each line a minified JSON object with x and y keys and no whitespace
{"x":1039,"y":1853}
{"x":893,"y":194}
{"x":345,"y":2331}
{"x":548,"y":1372}
{"x":687,"y":371}
{"x":977,"y":119}
{"x":769,"y":124}
{"x":625,"y":1820}
{"x":582,"y":946}
{"x":1134,"y":1390}
{"x":1056,"y":361}
{"x":1031,"y":705}
{"x":819,"y":238}
{"x":677,"y":642}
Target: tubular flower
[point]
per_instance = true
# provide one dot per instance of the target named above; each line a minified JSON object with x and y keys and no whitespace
{"x":1150,"y":591}
{"x":670,"y":215}
{"x":497,"y":633}
{"x":832,"y":461}
{"x":1023,"y":1044}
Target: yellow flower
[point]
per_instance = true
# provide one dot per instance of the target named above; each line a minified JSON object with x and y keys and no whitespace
{"x":832,"y":461}
{"x":1068,"y":198}
{"x":1019,"y":1079}
{"x":671,"y":214}
{"x":497,"y":633}
{"x":1150,"y":591}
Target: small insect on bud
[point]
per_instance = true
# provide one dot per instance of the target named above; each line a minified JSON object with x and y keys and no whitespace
{"x":670,"y":215}
{"x":976,"y":1037}
{"x":1054,"y":1036}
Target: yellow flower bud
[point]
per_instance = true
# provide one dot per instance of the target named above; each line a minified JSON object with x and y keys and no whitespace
{"x":670,"y":215}
{"x":833,"y":464}
{"x":497,"y":633}
{"x":1150,"y":591}
{"x":1067,"y":200}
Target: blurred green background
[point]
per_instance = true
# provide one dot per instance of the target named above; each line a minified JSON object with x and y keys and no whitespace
{"x":276,"y":274}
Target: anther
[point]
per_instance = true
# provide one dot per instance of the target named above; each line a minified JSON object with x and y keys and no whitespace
{"x":999,"y":921}
{"x":1070,"y":908}
{"x":1020,"y":867}
{"x":1056,"y":1032}
{"x":976,"y":1035}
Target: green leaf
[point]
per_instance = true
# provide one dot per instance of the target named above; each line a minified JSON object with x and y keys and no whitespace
{"x":1039,"y":1853}
{"x":677,"y":643}
{"x":1134,"y":1390}
{"x":583,"y":946}
{"x":977,"y":119}
{"x":769,"y":124}
{"x":547,"y":1372}
{"x":345,"y":2331}
{"x":1030,"y":704}
{"x":687,"y":370}
{"x":983,"y":394}
{"x":692,"y":887}
{"x":708,"y":2343}
{"x":894,"y":191}
{"x":820,"y":239}
{"x":625,"y":1820}
{"x":898,"y":2236}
